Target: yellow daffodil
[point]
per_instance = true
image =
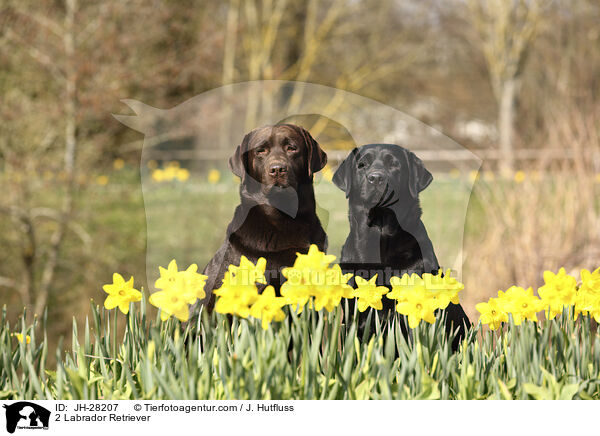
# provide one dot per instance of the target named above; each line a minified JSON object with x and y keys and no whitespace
{"x":170,"y":172}
{"x":267,"y":307}
{"x":167,"y":276}
{"x":189,"y":284}
{"x":247,"y":273}
{"x":368,"y":294}
{"x":295,"y":293}
{"x":178,"y":290}
{"x":235,"y":299}
{"x":444,"y":288}
{"x":419,"y":297}
{"x":492,"y":313}
{"x":587,"y":303}
{"x":314,"y":260}
{"x":121,"y":293}
{"x":102,"y":180}
{"x":214,"y":176}
{"x":329,"y":294}
{"x":594,"y":309}
{"x":521,"y":303}
{"x":19,"y":337}
{"x":405,"y":283}
{"x":520,"y":176}
{"x":238,"y":291}
{"x":158,"y":175}
{"x":327,"y":173}
{"x":118,"y":163}
{"x":587,"y":298}
{"x":311,"y":278}
{"x":183,"y":174}
{"x":232,"y":306}
{"x":558,"y":292}
{"x":170,"y":302}
{"x":590,"y":281}
{"x":417,"y":304}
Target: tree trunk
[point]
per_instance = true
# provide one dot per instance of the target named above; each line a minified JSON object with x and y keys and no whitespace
{"x":506,"y":110}
{"x":57,"y":238}
{"x":229,"y":71}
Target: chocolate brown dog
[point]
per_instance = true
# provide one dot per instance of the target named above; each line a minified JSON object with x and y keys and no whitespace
{"x":276,"y":217}
{"x":382,"y":183}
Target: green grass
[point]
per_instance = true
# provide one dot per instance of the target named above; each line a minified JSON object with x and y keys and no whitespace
{"x":187,"y":221}
{"x":213,"y":359}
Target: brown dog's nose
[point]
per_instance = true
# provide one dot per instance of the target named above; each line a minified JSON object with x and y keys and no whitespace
{"x":278,"y":169}
{"x":375,"y":177}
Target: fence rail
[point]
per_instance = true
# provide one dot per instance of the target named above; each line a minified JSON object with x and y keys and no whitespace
{"x":589,"y":154}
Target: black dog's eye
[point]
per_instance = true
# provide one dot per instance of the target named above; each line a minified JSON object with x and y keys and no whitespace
{"x":361,"y":165}
{"x":388,"y":160}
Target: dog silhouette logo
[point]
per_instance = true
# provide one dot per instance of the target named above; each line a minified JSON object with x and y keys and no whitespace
{"x":26,"y":415}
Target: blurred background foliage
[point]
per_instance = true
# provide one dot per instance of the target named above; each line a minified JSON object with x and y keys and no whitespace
{"x":515,"y":81}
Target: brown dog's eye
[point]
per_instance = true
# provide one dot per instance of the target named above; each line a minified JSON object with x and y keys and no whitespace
{"x":291,"y":147}
{"x":260,"y":150}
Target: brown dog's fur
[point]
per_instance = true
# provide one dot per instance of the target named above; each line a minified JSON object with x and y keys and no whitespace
{"x":276,"y":217}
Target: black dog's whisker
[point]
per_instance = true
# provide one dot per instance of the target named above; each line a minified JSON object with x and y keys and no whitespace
{"x":388,"y":201}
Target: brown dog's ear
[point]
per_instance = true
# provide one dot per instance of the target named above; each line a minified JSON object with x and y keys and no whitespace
{"x":419,"y":177}
{"x":317,"y":158}
{"x":343,"y":175}
{"x":238,"y":163}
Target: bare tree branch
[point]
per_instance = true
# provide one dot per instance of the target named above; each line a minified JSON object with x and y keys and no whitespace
{"x":36,"y":54}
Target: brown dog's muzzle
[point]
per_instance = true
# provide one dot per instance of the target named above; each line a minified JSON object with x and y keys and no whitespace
{"x":278,"y":172}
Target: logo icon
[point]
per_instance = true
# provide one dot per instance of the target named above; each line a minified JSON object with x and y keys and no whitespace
{"x":26,"y":415}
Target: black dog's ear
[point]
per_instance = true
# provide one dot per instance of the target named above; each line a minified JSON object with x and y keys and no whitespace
{"x":238,"y":163}
{"x":342,"y":178}
{"x":419,"y":177}
{"x":317,"y":158}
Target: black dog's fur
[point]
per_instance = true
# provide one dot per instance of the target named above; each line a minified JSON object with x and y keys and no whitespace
{"x":382,"y":183}
{"x":276,"y":217}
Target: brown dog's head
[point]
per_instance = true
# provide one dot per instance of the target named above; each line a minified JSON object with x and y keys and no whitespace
{"x":279,"y":156}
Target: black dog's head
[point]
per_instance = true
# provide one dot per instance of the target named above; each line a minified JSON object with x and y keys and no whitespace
{"x":382,"y":176}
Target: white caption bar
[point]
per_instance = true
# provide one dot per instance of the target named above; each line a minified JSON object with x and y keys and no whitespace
{"x":264,"y":418}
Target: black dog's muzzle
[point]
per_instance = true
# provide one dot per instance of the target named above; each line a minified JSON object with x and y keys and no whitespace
{"x":376,"y":178}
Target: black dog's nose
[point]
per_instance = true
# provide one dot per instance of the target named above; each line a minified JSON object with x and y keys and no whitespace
{"x":375,"y":178}
{"x":277,"y":169}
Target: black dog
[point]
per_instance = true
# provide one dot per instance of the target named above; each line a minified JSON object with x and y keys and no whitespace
{"x":382,"y":183}
{"x":276,"y":217}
